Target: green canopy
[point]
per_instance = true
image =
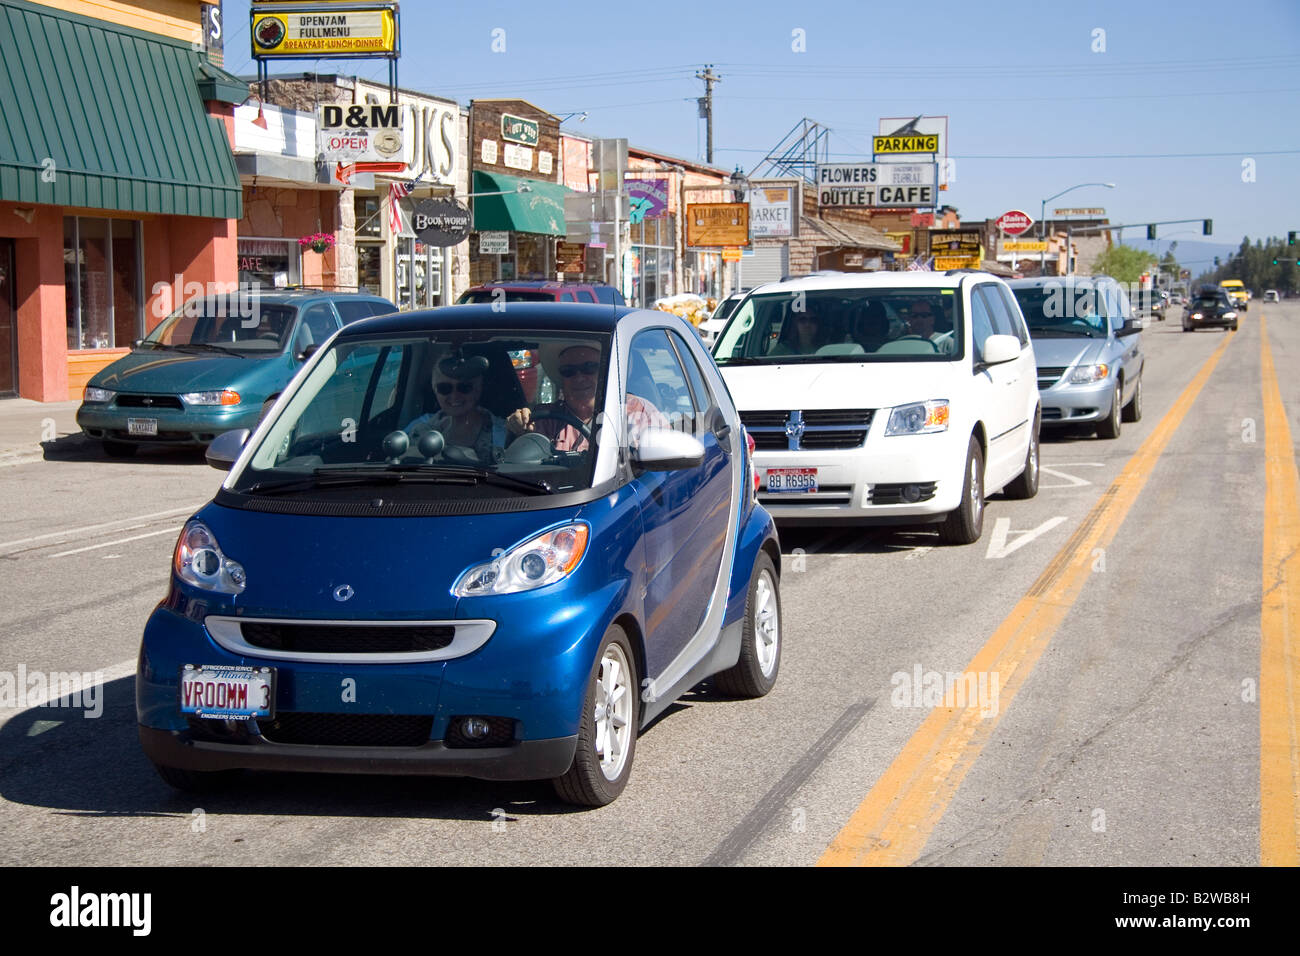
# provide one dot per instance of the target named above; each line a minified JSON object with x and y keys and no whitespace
{"x":540,"y":210}
{"x":105,"y":117}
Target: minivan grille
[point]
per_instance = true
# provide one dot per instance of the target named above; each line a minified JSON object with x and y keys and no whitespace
{"x":1049,"y":375}
{"x":823,"y":428}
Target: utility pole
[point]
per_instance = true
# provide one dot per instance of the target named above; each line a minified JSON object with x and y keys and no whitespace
{"x":706,"y":106}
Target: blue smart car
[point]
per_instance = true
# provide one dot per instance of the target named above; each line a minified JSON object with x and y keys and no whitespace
{"x":416,"y":567}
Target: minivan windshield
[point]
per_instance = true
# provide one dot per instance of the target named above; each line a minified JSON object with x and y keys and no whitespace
{"x":844,"y":325}
{"x":462,"y":413}
{"x":1064,"y":308}
{"x":240,"y":324}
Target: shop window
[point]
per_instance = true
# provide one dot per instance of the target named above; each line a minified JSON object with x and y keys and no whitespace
{"x":369,"y":223}
{"x":103,"y":278}
{"x":270,"y":263}
{"x":370,"y":258}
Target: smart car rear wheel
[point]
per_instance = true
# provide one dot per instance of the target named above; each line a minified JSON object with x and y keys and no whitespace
{"x":965,"y":524}
{"x":760,"y":644}
{"x":607,"y":730}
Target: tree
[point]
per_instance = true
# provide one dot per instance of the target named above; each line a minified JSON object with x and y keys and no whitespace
{"x":1123,"y":263}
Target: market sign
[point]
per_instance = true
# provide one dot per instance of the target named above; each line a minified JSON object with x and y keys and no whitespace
{"x":1014,"y":222}
{"x":1026,"y":246}
{"x":516,"y":129}
{"x":440,"y":222}
{"x":771,"y":212}
{"x":323,"y":30}
{"x":349,"y":134}
{"x":717,"y":224}
{"x":647,"y":199}
{"x":877,"y":185}
{"x":1092,"y":213}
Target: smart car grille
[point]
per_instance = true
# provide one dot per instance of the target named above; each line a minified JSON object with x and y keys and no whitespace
{"x":349,"y":730}
{"x":149,"y":401}
{"x":823,"y":428}
{"x":346,"y":639}
{"x":893,"y":494}
{"x":1049,"y":375}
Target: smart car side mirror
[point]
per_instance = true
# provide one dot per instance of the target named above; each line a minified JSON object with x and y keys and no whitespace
{"x":307,"y":353}
{"x":226,"y":449}
{"x":662,"y":449}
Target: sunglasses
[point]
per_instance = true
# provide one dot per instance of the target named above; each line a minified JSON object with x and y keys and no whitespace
{"x":446,"y":388}
{"x":584,"y":368}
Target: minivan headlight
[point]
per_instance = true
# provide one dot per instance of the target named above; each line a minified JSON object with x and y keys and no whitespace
{"x":94,"y":394}
{"x":543,"y":560}
{"x":919,"y":418}
{"x":199,"y":561}
{"x":1089,"y":373}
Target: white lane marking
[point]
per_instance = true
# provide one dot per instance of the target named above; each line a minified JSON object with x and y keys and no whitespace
{"x":116,"y":672}
{"x":95,"y":527}
{"x":998,"y":547}
{"x":115,"y":541}
{"x":1071,"y":481}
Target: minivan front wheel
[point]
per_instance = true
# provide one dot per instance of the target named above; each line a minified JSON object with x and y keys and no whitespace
{"x":1110,"y":428}
{"x":965,"y":524}
{"x":1133,"y":410}
{"x":607,"y":730}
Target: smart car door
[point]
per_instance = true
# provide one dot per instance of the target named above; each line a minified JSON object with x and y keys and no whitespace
{"x":685,"y":511}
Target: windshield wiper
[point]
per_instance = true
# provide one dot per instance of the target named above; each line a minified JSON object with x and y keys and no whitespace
{"x":1056,"y":331}
{"x":333,"y":477}
{"x":206,"y":346}
{"x":739,"y":360}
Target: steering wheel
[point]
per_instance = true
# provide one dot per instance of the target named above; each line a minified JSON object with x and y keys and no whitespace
{"x":568,"y":418}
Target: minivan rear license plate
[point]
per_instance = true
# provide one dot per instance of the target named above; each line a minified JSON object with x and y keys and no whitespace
{"x":142,"y":426}
{"x":227,"y":692}
{"x":791,"y":480}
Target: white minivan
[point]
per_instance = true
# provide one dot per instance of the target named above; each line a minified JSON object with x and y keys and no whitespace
{"x":886,"y":398}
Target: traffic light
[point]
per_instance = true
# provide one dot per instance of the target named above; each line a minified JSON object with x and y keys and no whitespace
{"x":1274,"y":262}
{"x":1290,"y":238}
{"x":1216,"y":262}
{"x":1207,"y":227}
{"x":1151,"y":232}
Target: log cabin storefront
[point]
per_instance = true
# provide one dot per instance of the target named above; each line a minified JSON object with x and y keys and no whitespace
{"x":117,"y":185}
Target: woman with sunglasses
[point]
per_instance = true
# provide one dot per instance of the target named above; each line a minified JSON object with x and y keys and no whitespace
{"x":576,"y":369}
{"x":462,"y":421}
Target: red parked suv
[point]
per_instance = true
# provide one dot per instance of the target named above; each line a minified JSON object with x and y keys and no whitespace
{"x":534,"y":290}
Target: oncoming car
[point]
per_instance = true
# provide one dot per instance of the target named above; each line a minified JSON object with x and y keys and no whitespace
{"x":885,"y":398}
{"x":411,"y":569}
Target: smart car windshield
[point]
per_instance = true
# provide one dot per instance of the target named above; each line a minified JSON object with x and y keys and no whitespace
{"x":471,"y":413}
{"x":228,"y":323}
{"x":844,"y":325}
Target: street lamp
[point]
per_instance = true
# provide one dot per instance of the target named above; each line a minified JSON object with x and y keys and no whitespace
{"x":1042,"y":222}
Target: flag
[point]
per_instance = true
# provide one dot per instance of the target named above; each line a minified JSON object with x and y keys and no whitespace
{"x":396,"y":193}
{"x":919,"y":266}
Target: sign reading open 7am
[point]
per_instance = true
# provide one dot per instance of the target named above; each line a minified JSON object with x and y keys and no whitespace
{"x":322,"y":29}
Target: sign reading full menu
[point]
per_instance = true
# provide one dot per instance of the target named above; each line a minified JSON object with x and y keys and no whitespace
{"x":323,"y":29}
{"x":877,"y":185}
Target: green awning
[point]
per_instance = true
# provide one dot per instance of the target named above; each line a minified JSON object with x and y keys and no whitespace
{"x":540,"y":210}
{"x":106,"y":117}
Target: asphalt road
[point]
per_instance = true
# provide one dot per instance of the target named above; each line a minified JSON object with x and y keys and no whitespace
{"x":1118,"y":613}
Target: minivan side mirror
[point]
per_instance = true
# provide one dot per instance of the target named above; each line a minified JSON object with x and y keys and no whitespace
{"x":1131,"y":327}
{"x":226,"y":449}
{"x":308,"y":352}
{"x":999,"y":348}
{"x":663,"y":449}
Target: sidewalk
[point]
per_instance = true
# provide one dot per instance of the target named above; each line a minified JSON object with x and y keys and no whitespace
{"x":31,"y":431}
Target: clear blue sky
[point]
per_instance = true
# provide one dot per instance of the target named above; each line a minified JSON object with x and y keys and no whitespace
{"x":1032,"y":108}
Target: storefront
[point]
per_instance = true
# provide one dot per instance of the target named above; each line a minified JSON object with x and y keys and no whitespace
{"x":107,"y":213}
{"x":518,"y":192}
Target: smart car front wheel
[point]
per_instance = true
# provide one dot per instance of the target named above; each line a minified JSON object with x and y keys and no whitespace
{"x":602,"y":763}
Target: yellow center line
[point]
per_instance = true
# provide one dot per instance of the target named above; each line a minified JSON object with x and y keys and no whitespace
{"x":893,"y":823}
{"x":1279,"y":626}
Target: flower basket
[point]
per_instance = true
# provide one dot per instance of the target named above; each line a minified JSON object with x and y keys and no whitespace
{"x":317,"y":242}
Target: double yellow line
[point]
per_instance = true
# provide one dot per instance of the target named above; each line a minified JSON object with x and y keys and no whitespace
{"x":1279,"y":626}
{"x":893,"y":823}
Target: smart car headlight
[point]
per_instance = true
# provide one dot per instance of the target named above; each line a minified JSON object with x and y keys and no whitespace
{"x":1089,"y":373}
{"x":94,"y":394}
{"x":199,"y":561}
{"x":543,"y":560}
{"x":919,"y":418}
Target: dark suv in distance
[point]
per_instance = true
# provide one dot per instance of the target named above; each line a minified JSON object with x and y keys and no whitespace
{"x":1211,"y":306}
{"x":538,"y":290}
{"x":215,"y":364}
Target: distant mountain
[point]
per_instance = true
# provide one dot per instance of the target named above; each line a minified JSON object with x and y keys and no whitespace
{"x":1193,"y":254}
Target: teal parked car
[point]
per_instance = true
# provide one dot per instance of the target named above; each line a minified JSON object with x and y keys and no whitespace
{"x":215,"y":364}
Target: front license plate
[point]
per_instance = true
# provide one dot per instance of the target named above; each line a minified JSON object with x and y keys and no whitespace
{"x":142,"y":426}
{"x":227,"y":693}
{"x":791,"y":480}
